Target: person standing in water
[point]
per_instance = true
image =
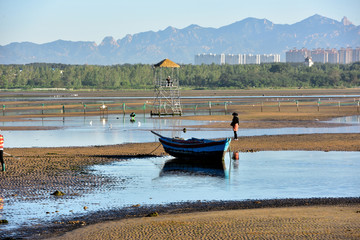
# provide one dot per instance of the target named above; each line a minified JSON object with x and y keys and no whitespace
{"x":235,"y":124}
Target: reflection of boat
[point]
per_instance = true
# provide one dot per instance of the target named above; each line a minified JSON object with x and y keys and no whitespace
{"x":186,"y":166}
{"x":194,"y":148}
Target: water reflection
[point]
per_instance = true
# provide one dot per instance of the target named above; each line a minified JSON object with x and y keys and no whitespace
{"x":349,"y":120}
{"x":235,"y":156}
{"x":161,"y":180}
{"x":1,"y":204}
{"x":180,"y":166}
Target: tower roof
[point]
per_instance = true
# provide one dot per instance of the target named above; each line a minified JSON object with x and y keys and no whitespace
{"x":167,"y":63}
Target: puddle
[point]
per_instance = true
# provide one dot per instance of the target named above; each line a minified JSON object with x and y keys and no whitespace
{"x":161,"y":180}
{"x":349,"y":120}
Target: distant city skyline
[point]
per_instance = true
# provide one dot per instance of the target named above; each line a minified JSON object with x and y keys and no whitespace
{"x":235,"y":59}
{"x":42,"y":21}
{"x":333,"y":55}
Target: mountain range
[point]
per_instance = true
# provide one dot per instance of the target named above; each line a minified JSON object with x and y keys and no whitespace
{"x":248,"y":36}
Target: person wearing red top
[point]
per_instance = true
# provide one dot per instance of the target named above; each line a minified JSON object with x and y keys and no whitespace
{"x":2,"y":152}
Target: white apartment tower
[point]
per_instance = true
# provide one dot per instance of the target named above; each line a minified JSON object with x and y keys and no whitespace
{"x":356,"y":55}
{"x":319,"y":55}
{"x":342,"y":56}
{"x":235,"y":59}
{"x":345,"y":55}
{"x":209,"y":59}
{"x":295,"y":55}
{"x":333,"y":56}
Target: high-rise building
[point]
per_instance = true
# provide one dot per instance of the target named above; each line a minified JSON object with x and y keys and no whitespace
{"x":319,"y":55}
{"x":342,"y":56}
{"x":297,"y":56}
{"x":252,"y":59}
{"x":333,"y":56}
{"x":356,"y":55}
{"x":209,"y":59}
{"x":269,"y":58}
{"x":345,"y":55}
{"x":233,"y":59}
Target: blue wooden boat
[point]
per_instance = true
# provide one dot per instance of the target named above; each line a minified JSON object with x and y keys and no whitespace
{"x":194,"y":148}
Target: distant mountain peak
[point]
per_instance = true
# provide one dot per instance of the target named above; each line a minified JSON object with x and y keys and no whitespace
{"x":250,"y":35}
{"x":317,"y":19}
{"x":109,"y":41}
{"x":170,"y":29}
{"x":346,"y":21}
{"x":192,"y":26}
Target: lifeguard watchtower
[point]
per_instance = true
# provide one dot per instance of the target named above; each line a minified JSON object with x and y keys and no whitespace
{"x":166,"y":89}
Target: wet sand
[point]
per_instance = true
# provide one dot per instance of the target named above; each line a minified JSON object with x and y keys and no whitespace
{"x":34,"y":173}
{"x":315,"y":222}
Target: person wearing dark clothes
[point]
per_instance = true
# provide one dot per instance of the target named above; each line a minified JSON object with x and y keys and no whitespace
{"x":2,"y":153}
{"x":168,"y":80}
{"x":235,"y":124}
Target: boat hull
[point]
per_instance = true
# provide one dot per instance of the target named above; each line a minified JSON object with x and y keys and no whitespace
{"x":202,"y":151}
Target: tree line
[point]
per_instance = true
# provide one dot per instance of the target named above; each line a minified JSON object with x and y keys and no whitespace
{"x":141,"y":76}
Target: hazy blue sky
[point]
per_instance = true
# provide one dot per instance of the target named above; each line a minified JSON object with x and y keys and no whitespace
{"x":42,"y":21}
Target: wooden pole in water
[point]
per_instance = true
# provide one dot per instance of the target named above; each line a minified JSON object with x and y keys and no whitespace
{"x":297,"y":105}
{"x":318,"y":105}
{"x":210,"y":107}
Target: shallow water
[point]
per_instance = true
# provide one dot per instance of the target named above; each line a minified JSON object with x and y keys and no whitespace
{"x":147,"y":181}
{"x":114,"y":129}
{"x":101,"y":99}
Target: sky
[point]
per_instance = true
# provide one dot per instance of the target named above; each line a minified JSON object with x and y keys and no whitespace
{"x":42,"y":21}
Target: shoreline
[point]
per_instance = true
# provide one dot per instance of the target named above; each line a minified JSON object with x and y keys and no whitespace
{"x":185,"y":92}
{"x":64,"y":168}
{"x":82,"y":227}
{"x":67,"y":162}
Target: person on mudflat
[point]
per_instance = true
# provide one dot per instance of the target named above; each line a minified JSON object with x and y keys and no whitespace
{"x":235,"y":124}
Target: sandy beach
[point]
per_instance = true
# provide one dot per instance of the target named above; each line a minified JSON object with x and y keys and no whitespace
{"x":315,"y":222}
{"x":34,"y":172}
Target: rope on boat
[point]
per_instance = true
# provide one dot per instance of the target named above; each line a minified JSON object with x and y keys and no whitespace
{"x":155,"y":149}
